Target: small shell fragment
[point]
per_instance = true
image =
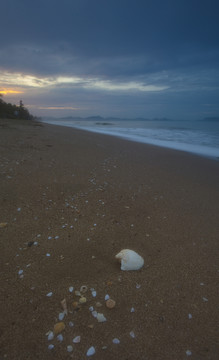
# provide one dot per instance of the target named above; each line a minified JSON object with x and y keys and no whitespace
{"x":51,"y":346}
{"x":50,"y":336}
{"x":70,"y":289}
{"x":110,"y":303}
{"x":75,"y":304}
{"x":82,"y":300}
{"x":132,"y":334}
{"x":59,"y":327}
{"x":91,"y":351}
{"x":94,"y":293}
{"x":83,"y":289}
{"x":64,"y":305}
{"x":76,"y":340}
{"x":77,"y":293}
{"x":49,"y":294}
{"x":130,"y":260}
{"x":101,"y":317}
{"x":61,"y":316}
{"x":107,"y":297}
{"x":69,"y":348}
{"x":60,"y":338}
{"x":116,"y":341}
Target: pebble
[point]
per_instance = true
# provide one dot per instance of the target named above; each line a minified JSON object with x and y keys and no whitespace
{"x":60,"y":338}
{"x":76,"y":340}
{"x":69,"y":348}
{"x":91,"y":351}
{"x":50,"y":336}
{"x":82,"y":300}
{"x":101,"y":317}
{"x":116,"y":341}
{"x":204,"y":299}
{"x":61,"y":316}
{"x":59,"y":327}
{"x":94,"y":293}
{"x":110,"y":304}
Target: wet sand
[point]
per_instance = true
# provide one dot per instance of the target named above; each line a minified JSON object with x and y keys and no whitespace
{"x":70,"y":201}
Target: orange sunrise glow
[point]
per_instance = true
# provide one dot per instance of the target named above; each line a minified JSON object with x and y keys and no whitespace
{"x":6,"y":92}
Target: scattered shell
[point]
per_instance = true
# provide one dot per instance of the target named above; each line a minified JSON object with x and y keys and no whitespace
{"x":94,"y":293}
{"x":107,"y":297}
{"x":83,"y":289}
{"x":51,"y":346}
{"x":116,"y":341}
{"x":110,"y":303}
{"x":188,"y":352}
{"x":70,"y":289}
{"x":64,"y":305}
{"x":77,"y":293}
{"x":94,"y":313}
{"x":82,"y":300}
{"x":20,"y":272}
{"x":91,"y":326}
{"x":91,"y":351}
{"x":60,"y":338}
{"x":130,"y":260}
{"x":204,"y":299}
{"x":59,"y":327}
{"x":50,"y":336}
{"x":100,"y":317}
{"x":190,"y":316}
{"x":132,"y":334}
{"x":75,"y":304}
{"x":2,"y":225}
{"x":132,"y":310}
{"x":76,"y":340}
{"x":47,"y":254}
{"x":71,"y":324}
{"x":61,"y":316}
{"x":91,"y":308}
{"x":49,"y":294}
{"x":69,"y":348}
{"x":138,"y":286}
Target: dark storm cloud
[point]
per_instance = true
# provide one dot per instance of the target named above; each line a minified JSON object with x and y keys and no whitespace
{"x":151,"y":35}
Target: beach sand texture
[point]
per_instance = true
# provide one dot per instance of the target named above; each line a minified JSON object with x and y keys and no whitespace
{"x":70,"y":201}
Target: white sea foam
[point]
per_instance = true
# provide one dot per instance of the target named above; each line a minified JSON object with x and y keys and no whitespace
{"x":198,"y":137}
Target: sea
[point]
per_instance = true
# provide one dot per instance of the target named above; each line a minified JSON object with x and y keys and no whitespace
{"x":199,"y":137}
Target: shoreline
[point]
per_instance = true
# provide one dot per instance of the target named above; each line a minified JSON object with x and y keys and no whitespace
{"x":198,"y":150}
{"x":81,"y":197}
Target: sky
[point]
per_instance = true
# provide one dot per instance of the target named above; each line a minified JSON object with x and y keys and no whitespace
{"x":119,"y":58}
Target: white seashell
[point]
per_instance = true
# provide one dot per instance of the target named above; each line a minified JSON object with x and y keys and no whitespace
{"x":116,"y":341}
{"x":49,"y":294}
{"x":107,"y":297}
{"x":76,"y":340}
{"x":101,"y":317}
{"x":69,"y":348}
{"x":83,"y":289}
{"x":130,"y":260}
{"x":70,"y":289}
{"x":61,"y":316}
{"x":91,"y":351}
{"x":94,"y":293}
{"x":51,"y":346}
{"x":60,"y":338}
{"x":94,"y":313}
{"x":50,"y":336}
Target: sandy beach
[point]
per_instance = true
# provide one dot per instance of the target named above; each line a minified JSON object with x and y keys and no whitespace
{"x":70,"y":200}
